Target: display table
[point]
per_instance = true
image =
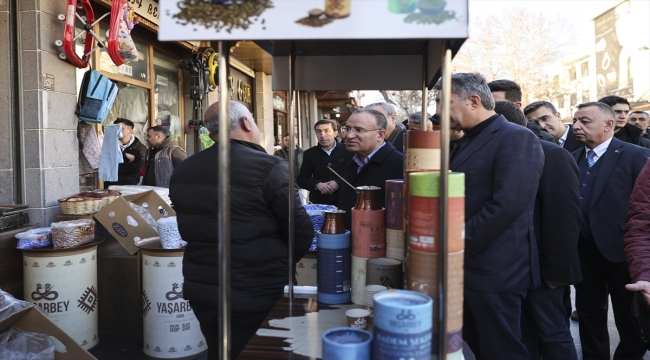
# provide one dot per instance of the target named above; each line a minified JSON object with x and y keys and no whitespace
{"x":293,"y":329}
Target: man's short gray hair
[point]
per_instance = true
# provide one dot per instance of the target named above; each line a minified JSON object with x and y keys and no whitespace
{"x":237,"y":112}
{"x":388,"y":108}
{"x":382,"y":122}
{"x":604,"y":109}
{"x":416,"y":117}
{"x":467,"y":84}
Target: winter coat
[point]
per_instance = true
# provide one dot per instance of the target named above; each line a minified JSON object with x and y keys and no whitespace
{"x":637,"y":235}
{"x":632,"y":134}
{"x":258,"y":217}
{"x":129,"y":172}
{"x":314,"y":170}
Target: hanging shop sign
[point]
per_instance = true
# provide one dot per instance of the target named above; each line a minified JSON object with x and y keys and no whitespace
{"x":312,"y":19}
{"x":147,"y":9}
{"x":241,"y":87}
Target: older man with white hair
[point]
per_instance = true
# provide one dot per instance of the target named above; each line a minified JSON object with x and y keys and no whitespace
{"x":259,"y":229}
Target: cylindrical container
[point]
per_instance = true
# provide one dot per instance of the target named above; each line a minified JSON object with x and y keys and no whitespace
{"x":368,"y":233}
{"x":402,"y":6}
{"x":423,"y":150}
{"x":394,"y":204}
{"x":395,"y":244}
{"x":171,"y":330}
{"x":334,"y":268}
{"x":458,"y":355}
{"x":64,"y":284}
{"x":402,"y":325}
{"x":333,"y":223}
{"x":346,"y":343}
{"x":424,"y":211}
{"x":358,"y":279}
{"x":338,"y":9}
{"x":367,"y":198}
{"x":454,"y":342}
{"x":423,"y":277}
{"x":384,"y":271}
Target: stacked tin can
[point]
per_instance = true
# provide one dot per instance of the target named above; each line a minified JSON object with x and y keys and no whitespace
{"x":333,"y":265}
{"x":424,"y":247}
{"x":395,"y":244}
{"x":368,"y":237}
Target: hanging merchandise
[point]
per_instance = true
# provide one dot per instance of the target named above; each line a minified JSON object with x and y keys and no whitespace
{"x":132,"y":104}
{"x":96,"y":97}
{"x":125,"y":45}
{"x":89,"y":148}
{"x":111,"y":155}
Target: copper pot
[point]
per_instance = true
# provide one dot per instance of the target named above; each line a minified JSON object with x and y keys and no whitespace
{"x":368,"y":198}
{"x":333,"y":223}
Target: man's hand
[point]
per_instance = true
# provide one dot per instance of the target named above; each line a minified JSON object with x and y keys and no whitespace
{"x":643,"y":287}
{"x":333,"y":185}
{"x":129,"y":157}
{"x":324,"y":188}
{"x":552,"y":284}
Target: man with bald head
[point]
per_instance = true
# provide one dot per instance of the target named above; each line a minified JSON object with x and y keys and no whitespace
{"x":608,"y":169}
{"x":259,"y":185}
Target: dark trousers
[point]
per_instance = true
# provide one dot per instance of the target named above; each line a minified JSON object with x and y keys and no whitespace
{"x":544,"y":325}
{"x":491,"y":325}
{"x":601,"y":278}
{"x":243,"y":327}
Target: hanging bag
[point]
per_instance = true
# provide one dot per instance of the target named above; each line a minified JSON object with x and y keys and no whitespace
{"x":96,"y":97}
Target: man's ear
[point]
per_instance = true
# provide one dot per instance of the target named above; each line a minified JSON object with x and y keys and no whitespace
{"x":518,"y":104}
{"x":245,"y":124}
{"x":475,"y":101}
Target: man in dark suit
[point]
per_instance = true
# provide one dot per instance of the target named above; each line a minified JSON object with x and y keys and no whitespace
{"x":608,"y":169}
{"x":545,"y":114}
{"x":395,"y":130}
{"x":323,"y":185}
{"x":503,"y":164}
{"x":623,"y":130}
{"x":375,"y":160}
{"x":557,"y":220}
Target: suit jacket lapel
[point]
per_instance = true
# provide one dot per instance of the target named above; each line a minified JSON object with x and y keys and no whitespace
{"x":610,"y":158}
{"x":486,"y":135}
{"x":571,"y":140}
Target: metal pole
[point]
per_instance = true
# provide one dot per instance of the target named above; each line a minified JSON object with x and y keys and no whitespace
{"x":224,"y":201}
{"x":292,"y":165}
{"x":425,"y":87}
{"x":444,"y":198}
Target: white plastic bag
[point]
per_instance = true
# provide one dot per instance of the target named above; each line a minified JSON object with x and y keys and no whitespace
{"x":170,"y":238}
{"x":16,"y":344}
{"x":9,"y":305}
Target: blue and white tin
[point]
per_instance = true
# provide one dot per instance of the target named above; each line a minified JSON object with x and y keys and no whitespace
{"x":402,"y":325}
{"x":334,"y":274}
{"x":346,"y":343}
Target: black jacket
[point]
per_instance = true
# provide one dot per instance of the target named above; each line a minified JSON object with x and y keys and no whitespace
{"x":632,"y":134}
{"x":129,"y":172}
{"x":314,"y":170}
{"x":540,"y":132}
{"x":557,"y":216}
{"x":385,"y":164}
{"x":572,"y":144}
{"x":258,"y":215}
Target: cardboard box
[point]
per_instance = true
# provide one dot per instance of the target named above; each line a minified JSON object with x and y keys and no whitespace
{"x":126,"y":225}
{"x":32,"y":320}
{"x":306,"y":270}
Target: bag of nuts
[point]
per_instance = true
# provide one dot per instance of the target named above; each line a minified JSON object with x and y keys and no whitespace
{"x":68,"y":234}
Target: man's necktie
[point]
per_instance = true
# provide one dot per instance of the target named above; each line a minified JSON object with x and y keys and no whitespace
{"x":591,"y":158}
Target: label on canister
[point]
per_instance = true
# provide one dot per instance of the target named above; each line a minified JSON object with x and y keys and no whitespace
{"x":368,"y":233}
{"x":65,"y":287}
{"x":402,"y":325}
{"x":424,"y":221}
{"x":171,"y":329}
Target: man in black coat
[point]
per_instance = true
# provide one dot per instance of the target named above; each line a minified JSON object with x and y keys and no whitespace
{"x":323,"y":185}
{"x":545,"y":114}
{"x":259,"y":229}
{"x":608,"y":169}
{"x":133,"y":153}
{"x":623,"y":130}
{"x":374,"y":162}
{"x":557,"y":218}
{"x":503,"y":164}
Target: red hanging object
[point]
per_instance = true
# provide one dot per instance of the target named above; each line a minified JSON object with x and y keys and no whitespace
{"x":116,"y":15}
{"x":69,"y":34}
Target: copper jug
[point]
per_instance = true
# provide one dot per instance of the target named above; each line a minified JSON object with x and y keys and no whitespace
{"x":333,"y":223}
{"x":368,"y":198}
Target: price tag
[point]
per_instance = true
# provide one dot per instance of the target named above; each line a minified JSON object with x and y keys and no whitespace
{"x":161,"y":80}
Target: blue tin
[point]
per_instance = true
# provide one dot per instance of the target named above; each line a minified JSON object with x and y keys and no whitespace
{"x":346,"y":343}
{"x":403,"y":322}
{"x":334,"y":268}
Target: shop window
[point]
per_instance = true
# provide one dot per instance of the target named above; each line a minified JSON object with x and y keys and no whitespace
{"x":166,"y":97}
{"x":131,"y":103}
{"x":136,"y":70}
{"x":572,"y":72}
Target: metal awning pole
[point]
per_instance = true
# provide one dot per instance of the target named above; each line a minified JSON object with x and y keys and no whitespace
{"x":224,"y":201}
{"x":292,"y":165}
{"x":425,"y":87}
{"x":444,"y":198}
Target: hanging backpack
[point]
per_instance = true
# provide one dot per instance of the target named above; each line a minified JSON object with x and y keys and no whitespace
{"x":96,"y":97}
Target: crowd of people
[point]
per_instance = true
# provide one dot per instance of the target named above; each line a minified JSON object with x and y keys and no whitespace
{"x":548,"y":205}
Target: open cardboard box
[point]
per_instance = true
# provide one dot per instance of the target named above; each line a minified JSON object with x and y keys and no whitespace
{"x":126,"y":225}
{"x":32,"y":320}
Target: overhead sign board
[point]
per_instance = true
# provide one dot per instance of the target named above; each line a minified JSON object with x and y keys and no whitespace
{"x":312,"y":19}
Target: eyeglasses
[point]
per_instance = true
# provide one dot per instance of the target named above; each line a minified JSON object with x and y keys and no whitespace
{"x":357,"y":130}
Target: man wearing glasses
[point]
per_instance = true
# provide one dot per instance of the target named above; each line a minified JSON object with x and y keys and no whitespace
{"x":374,"y":161}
